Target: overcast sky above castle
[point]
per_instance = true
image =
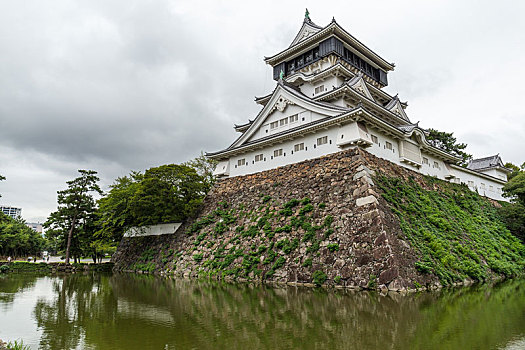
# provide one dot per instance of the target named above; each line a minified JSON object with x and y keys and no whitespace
{"x":125,"y":85}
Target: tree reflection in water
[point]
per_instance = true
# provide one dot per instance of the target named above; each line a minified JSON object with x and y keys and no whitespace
{"x":143,"y":312}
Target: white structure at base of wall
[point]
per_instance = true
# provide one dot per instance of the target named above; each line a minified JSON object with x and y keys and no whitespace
{"x":329,"y":97}
{"x":154,"y":230}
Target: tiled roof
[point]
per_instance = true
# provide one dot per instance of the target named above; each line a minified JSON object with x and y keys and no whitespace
{"x":485,"y":163}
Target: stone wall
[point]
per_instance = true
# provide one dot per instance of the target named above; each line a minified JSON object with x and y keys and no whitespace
{"x":347,"y":236}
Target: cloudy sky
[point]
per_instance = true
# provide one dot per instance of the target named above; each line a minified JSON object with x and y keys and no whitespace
{"x":125,"y":85}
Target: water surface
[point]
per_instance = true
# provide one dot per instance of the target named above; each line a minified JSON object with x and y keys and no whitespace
{"x":97,"y":311}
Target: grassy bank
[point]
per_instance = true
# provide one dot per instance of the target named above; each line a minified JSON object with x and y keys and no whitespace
{"x":457,"y":232}
{"x":23,"y":266}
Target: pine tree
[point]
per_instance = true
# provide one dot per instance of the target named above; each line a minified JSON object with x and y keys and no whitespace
{"x":74,"y":217}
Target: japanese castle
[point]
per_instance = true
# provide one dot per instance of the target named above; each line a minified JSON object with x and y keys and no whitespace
{"x":329,"y":97}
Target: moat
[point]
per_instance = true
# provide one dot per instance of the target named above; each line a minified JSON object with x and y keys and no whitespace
{"x":124,"y":311}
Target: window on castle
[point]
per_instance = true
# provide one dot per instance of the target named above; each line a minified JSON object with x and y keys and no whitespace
{"x":316,"y":52}
{"x":259,"y":157}
{"x":322,"y":140}
{"x":298,"y":147}
{"x":482,"y":185}
{"x":274,"y":125}
{"x":319,"y":89}
{"x":241,"y":162}
{"x":388,"y":145}
{"x":309,"y":56}
{"x":374,"y":139}
{"x":283,"y":122}
{"x":294,"y":118}
{"x":471,"y":184}
{"x":425,"y":160}
{"x":436,"y":165}
{"x":278,"y":152}
{"x":491,"y":188}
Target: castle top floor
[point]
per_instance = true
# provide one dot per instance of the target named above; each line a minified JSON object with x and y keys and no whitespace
{"x":314,"y":43}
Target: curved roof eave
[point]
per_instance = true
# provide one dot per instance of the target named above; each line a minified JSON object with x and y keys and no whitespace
{"x":332,"y":28}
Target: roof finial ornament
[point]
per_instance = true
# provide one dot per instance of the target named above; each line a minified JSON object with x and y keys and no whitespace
{"x":281,"y":75}
{"x":307,"y":15}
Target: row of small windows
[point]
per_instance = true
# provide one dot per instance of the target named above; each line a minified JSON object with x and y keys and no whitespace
{"x":426,"y":162}
{"x":279,"y":152}
{"x":283,"y":122}
{"x":302,"y":60}
{"x":484,"y":187}
{"x":388,"y":145}
{"x":358,"y":62}
{"x":319,"y":89}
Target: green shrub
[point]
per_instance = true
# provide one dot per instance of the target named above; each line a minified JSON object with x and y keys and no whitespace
{"x":333,"y":247}
{"x":372,"y":282}
{"x":307,"y":262}
{"x":17,"y":345}
{"x":4,"y":269}
{"x":319,"y":278}
{"x":198,"y":257}
{"x":337,"y":279}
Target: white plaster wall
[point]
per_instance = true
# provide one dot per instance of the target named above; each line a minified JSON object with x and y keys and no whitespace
{"x":313,"y":151}
{"x":288,"y":157}
{"x":308,"y":89}
{"x":478,"y":181}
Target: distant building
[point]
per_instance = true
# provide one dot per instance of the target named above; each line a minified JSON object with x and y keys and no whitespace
{"x":11,"y":211}
{"x":36,"y":226}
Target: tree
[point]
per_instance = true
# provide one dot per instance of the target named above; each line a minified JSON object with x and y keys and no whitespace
{"x":73,"y":222}
{"x":205,"y":167}
{"x":515,"y":169}
{"x":17,"y":239}
{"x":448,"y":143}
{"x":164,"y":194}
{"x":515,"y":188}
{"x":513,"y":214}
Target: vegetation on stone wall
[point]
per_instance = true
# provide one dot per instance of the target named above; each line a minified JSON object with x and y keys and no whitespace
{"x":457,"y":233}
{"x":275,"y":231}
{"x":513,"y":213}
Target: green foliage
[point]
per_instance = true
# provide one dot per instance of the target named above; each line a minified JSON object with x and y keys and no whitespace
{"x":337,"y":279}
{"x":319,"y":278}
{"x":448,"y":143}
{"x":515,"y":188}
{"x":307,"y":262}
{"x":204,"y":167}
{"x":306,"y":209}
{"x":164,"y":194}
{"x":457,"y":233}
{"x":513,"y":215}
{"x":16,"y":239}
{"x":198,"y":257}
{"x":372,"y":282}
{"x":17,"y":345}
{"x":333,"y":247}
{"x":73,"y":225}
{"x":322,"y":206}
{"x":4,"y":269}
{"x":266,"y":199}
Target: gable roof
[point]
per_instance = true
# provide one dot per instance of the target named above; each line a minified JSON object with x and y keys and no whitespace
{"x":395,"y":106}
{"x":286,"y":94}
{"x":330,"y":30}
{"x":307,"y":29}
{"x":358,"y":84}
{"x":492,"y":162}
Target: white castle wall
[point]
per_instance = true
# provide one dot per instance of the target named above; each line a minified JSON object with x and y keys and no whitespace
{"x":484,"y":185}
